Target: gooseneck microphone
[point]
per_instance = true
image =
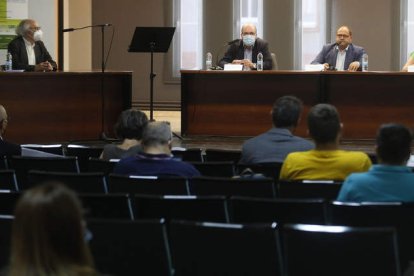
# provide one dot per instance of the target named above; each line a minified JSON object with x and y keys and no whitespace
{"x":91,"y":26}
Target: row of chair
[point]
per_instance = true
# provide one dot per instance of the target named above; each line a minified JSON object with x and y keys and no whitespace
{"x":99,"y":183}
{"x":181,"y":248}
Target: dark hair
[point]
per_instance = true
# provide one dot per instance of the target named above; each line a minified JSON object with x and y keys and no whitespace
{"x":323,"y":123}
{"x":48,"y":234}
{"x":131,"y":124}
{"x":286,"y":111}
{"x":394,"y":144}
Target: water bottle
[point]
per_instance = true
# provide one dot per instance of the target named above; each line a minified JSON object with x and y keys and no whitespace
{"x":259,"y":63}
{"x":9,"y":62}
{"x":209,"y":59}
{"x":365,"y":62}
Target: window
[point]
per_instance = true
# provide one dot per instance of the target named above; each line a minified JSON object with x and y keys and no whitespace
{"x":247,"y":11}
{"x":407,"y":32}
{"x":311,"y":30}
{"x":188,"y":41}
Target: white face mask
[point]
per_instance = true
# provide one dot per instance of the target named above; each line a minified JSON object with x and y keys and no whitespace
{"x":38,"y":35}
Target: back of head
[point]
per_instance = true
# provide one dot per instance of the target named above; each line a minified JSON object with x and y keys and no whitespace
{"x":23,"y":26}
{"x":156,"y":134}
{"x":48,"y":233}
{"x":286,"y":112}
{"x":131,"y":124}
{"x":324,"y":123}
{"x":393,"y":144}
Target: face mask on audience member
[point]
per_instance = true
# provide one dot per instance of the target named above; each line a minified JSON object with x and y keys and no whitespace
{"x":38,"y":35}
{"x":248,"y":40}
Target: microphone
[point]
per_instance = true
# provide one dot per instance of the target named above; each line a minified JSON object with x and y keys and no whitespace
{"x":68,"y":30}
{"x":91,"y":26}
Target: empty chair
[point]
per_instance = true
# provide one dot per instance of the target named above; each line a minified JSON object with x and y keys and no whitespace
{"x":263,"y":187}
{"x":5,"y":239}
{"x":309,"y":189}
{"x":147,"y":185}
{"x":267,"y":169}
{"x":107,"y":206}
{"x":8,"y":180}
{"x":280,"y":210}
{"x":8,"y":201}
{"x":22,"y":164}
{"x":188,"y":155}
{"x":393,"y":214}
{"x":204,"y":208}
{"x":202,"y":248}
{"x":130,"y":247}
{"x":214,"y":155}
{"x":52,"y":148}
{"x":338,"y":250}
{"x":79,"y":182}
{"x":83,"y":153}
{"x":216,"y":168}
{"x":100,"y":165}
{"x":3,"y":163}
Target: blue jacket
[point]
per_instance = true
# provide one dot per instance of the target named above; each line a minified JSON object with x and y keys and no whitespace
{"x":329,"y":54}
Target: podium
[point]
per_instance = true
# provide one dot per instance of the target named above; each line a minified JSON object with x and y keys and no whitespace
{"x":151,"y":40}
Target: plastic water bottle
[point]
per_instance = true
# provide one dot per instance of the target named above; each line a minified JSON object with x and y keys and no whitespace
{"x":209,"y":58}
{"x":9,"y":62}
{"x":259,"y":63}
{"x":365,"y":62}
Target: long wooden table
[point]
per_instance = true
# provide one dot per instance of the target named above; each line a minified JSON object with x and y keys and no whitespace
{"x":239,"y":103}
{"x":63,"y":106}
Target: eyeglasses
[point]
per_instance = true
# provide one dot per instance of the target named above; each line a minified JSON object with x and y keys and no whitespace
{"x":36,"y":28}
{"x":251,"y":33}
{"x":342,"y":35}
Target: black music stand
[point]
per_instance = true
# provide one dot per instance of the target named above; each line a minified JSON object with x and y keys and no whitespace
{"x":151,"y":40}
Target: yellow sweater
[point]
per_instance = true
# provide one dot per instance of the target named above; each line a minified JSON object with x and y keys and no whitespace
{"x":318,"y":165}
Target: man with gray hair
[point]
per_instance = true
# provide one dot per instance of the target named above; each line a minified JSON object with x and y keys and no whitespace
{"x":156,"y":158}
{"x":244,"y":51}
{"x":27,"y":49}
{"x":6,"y":148}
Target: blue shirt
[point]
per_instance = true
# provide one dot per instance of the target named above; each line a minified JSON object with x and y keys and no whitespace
{"x":382,"y":183}
{"x":155,"y":165}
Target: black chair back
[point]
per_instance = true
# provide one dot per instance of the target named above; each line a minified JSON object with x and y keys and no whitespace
{"x":5,"y":239}
{"x":98,"y":206}
{"x":267,"y":169}
{"x":309,"y":189}
{"x":338,"y":250}
{"x":205,"y":208}
{"x":218,"y":155}
{"x":8,"y":180}
{"x":263,"y":187}
{"x":189,"y":155}
{"x":79,"y":182}
{"x":130,"y":247}
{"x":23,"y":164}
{"x":202,"y":248}
{"x":100,"y":165}
{"x":52,"y":148}
{"x":8,"y":201}
{"x":280,"y":210}
{"x":155,"y":185}
{"x":83,"y":153}
{"x":216,"y":169}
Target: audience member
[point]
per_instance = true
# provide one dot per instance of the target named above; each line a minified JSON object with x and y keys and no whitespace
{"x":27,"y":49}
{"x":49,"y":233}
{"x":156,"y":158}
{"x":6,"y":148}
{"x":273,"y":145}
{"x":391,"y":179}
{"x":409,"y":62}
{"x":244,"y":51}
{"x":341,"y":55}
{"x":326,"y":161}
{"x":129,"y":128}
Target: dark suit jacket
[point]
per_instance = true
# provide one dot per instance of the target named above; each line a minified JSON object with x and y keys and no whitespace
{"x":20,"y":60}
{"x":236,"y":51}
{"x":329,"y":54}
{"x":9,"y":149}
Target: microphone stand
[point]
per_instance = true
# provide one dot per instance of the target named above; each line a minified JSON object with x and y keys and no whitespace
{"x":103,"y":135}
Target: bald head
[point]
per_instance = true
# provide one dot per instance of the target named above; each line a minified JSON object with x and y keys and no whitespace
{"x":248,"y":28}
{"x":3,"y":113}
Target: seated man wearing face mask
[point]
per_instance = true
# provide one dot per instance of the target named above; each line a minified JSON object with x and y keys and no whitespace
{"x":27,"y":49}
{"x":245,"y":51}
